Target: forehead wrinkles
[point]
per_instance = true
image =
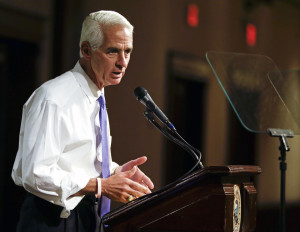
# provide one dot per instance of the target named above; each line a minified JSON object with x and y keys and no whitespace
{"x":117,"y":35}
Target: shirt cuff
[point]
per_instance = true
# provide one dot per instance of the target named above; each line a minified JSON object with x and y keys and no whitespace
{"x":98,"y":194}
{"x":113,"y":168}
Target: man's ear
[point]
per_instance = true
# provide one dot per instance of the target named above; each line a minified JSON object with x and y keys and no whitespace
{"x":85,"y":49}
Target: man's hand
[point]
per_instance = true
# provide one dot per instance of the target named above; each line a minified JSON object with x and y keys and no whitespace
{"x":139,"y":176}
{"x":128,"y":180}
{"x":120,"y":187}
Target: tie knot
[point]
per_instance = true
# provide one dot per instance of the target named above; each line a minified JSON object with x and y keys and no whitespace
{"x":101,"y":101}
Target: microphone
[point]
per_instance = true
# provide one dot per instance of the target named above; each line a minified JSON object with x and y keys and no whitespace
{"x":143,"y":96}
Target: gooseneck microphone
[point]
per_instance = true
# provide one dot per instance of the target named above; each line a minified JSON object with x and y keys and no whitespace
{"x":143,"y":96}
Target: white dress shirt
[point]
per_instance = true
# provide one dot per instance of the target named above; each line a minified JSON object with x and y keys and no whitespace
{"x":59,"y":142}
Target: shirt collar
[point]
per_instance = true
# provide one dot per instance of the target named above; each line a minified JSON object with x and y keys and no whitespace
{"x":87,"y":85}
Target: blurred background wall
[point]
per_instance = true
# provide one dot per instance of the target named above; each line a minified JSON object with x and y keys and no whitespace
{"x":39,"y":40}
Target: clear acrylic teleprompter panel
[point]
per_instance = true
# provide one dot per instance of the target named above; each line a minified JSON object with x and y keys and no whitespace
{"x":287,"y":86}
{"x":245,"y":80}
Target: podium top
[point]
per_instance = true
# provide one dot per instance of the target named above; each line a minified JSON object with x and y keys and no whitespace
{"x":201,"y":176}
{"x":259,"y":93}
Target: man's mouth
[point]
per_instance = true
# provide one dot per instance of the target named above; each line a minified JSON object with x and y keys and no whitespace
{"x":117,"y":74}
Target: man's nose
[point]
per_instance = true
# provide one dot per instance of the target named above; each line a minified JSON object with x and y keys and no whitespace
{"x":122,"y":61}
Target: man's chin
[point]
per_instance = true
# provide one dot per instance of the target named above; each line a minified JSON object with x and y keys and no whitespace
{"x":114,"y":82}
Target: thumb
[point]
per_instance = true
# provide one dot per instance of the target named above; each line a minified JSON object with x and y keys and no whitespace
{"x":131,"y":172}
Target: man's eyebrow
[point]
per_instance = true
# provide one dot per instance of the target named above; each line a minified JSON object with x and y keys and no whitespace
{"x":118,"y":49}
{"x":112,"y":48}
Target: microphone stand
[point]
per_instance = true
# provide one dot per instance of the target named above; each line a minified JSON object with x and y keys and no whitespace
{"x":182,"y":143}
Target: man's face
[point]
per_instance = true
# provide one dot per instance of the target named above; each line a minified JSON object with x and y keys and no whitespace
{"x":111,"y":59}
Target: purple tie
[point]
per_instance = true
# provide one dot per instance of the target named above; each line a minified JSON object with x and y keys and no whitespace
{"x":104,"y":206}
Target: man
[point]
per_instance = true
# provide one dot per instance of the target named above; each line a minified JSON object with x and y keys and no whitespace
{"x":61,"y":155}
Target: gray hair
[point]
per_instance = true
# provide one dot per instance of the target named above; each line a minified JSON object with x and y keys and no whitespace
{"x":94,"y":24}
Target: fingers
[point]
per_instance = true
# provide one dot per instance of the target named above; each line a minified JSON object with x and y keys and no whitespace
{"x":130,"y":164}
{"x":119,"y":187}
{"x":142,"y":190}
{"x":131,"y":172}
{"x":137,"y":175}
{"x":147,"y":181}
{"x":135,"y":185}
{"x":131,"y":195}
{"x":128,"y":181}
{"x":140,"y":160}
{"x":134,"y":190}
{"x":141,"y":178}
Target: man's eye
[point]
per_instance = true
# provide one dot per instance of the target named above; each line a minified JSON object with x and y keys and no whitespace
{"x":113,"y":51}
{"x":128,"y":51}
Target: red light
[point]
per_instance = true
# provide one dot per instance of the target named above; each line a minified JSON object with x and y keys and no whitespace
{"x":192,"y":15}
{"x":251,"y":34}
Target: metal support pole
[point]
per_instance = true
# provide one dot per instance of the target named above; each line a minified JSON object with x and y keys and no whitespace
{"x":284,"y":147}
{"x":283,"y":166}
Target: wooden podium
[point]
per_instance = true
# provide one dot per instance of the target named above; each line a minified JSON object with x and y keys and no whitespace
{"x":212,"y":199}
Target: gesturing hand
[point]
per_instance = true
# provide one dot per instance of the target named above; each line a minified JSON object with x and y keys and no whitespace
{"x":128,"y":181}
{"x":139,"y":176}
{"x":120,"y":186}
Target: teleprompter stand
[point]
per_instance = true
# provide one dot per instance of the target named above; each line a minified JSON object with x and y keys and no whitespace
{"x":262,"y":98}
{"x":284,"y":147}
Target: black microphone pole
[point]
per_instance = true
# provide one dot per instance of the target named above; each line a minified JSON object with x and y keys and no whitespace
{"x":186,"y":147}
{"x":143,"y":96}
